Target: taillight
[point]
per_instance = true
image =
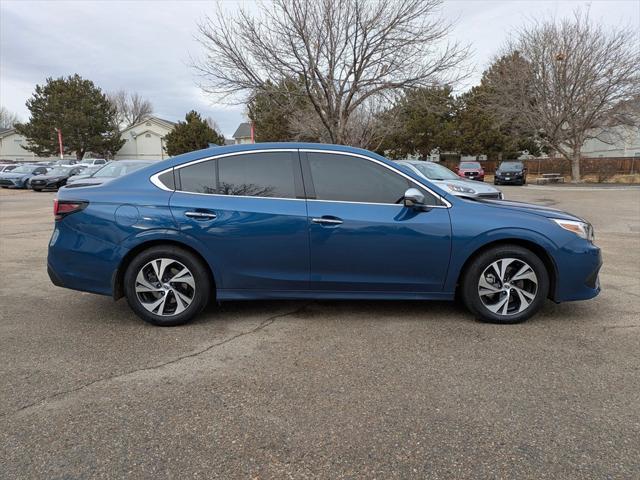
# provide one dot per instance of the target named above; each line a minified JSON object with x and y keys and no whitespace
{"x":62,"y":208}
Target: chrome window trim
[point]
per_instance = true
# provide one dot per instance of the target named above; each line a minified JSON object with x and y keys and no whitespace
{"x":155,"y":180}
{"x":393,"y":169}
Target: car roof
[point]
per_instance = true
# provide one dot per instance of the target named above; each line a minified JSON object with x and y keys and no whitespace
{"x":143,"y":162}
{"x":248,"y":147}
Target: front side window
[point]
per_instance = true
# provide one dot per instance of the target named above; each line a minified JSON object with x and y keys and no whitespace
{"x":353,"y":179}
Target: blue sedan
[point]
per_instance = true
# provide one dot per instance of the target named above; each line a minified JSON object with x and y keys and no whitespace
{"x":294,"y":221}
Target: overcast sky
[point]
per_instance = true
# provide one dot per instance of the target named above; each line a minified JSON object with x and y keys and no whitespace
{"x":145,"y":45}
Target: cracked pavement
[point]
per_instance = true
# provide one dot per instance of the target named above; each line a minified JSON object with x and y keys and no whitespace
{"x":319,"y":389}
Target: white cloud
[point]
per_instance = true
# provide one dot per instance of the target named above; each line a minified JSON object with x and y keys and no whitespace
{"x":146,"y":45}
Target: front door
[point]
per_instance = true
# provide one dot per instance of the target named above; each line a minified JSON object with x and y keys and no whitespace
{"x":362,"y":238}
{"x":249,"y":213}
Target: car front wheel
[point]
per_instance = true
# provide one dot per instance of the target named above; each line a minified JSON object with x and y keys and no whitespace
{"x":505,"y":284}
{"x":167,"y":285}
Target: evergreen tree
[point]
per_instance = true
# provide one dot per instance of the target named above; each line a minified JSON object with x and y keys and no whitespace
{"x":80,"y":110}
{"x":192,"y":134}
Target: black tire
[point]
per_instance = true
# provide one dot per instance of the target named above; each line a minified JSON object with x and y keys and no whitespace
{"x":471,"y":278}
{"x":495,"y":182}
{"x":37,"y":189}
{"x":199,"y":271}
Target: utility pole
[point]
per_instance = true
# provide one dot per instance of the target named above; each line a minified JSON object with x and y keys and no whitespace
{"x":60,"y":143}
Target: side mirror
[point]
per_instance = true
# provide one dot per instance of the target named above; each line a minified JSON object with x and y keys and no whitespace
{"x":413,"y":198}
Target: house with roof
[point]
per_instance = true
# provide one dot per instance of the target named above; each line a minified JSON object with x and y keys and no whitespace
{"x":243,"y":134}
{"x":11,"y":147}
{"x":145,"y":140}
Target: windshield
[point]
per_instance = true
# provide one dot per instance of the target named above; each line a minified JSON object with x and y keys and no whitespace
{"x":510,"y":167}
{"x":23,"y":169}
{"x":58,"y":171}
{"x":117,"y":169}
{"x":469,"y":165}
{"x":433,"y":171}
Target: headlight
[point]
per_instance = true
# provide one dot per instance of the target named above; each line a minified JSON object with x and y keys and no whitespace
{"x":459,"y":189}
{"x":582,"y":229}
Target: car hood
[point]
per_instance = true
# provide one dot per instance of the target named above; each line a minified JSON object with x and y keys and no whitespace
{"x":13,"y":176}
{"x":479,"y":187}
{"x":530,"y":208}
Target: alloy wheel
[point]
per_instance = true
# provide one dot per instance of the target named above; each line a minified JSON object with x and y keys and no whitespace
{"x":165,"y":287}
{"x":508,"y":286}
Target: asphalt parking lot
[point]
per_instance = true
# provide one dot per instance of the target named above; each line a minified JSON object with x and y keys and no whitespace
{"x":320,"y":389}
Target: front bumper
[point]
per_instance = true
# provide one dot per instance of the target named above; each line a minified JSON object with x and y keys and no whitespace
{"x":579,"y":263}
{"x":509,"y":180}
{"x":44,"y":185}
{"x":479,"y":178}
{"x":10,"y":183}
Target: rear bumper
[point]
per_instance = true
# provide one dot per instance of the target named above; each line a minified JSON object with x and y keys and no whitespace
{"x":81,"y":262}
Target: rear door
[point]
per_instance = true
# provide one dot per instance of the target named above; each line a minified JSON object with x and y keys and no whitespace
{"x":249,"y":211}
{"x":362,"y":238}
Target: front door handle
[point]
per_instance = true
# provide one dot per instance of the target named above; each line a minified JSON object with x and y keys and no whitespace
{"x":201,"y":215}
{"x":327,"y":220}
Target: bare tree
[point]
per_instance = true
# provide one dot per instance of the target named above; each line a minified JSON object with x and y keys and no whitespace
{"x":131,"y":107}
{"x":345,"y":52}
{"x":7,"y":118}
{"x":567,"y":81}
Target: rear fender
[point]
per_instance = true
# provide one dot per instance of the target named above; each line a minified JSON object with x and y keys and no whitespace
{"x":136,"y":243}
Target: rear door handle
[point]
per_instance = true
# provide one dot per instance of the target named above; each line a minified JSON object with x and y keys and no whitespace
{"x":201,"y":215}
{"x":327,"y":220}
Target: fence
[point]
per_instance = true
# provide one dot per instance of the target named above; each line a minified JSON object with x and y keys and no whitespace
{"x":588,"y":166}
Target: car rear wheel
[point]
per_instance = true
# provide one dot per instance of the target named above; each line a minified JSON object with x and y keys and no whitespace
{"x":37,"y":189}
{"x":167,"y":285}
{"x":506,"y":284}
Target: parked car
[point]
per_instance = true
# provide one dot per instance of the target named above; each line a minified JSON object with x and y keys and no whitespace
{"x":449,"y":181}
{"x":85,"y":173}
{"x":295,"y":220}
{"x":511,"y":172}
{"x":65,"y":163}
{"x":7,"y":167}
{"x":89,"y":162}
{"x":55,"y":178}
{"x":20,"y":176}
{"x":471,"y":171}
{"x":110,"y":171}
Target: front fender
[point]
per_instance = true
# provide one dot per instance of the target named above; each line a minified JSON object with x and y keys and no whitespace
{"x":464,"y":248}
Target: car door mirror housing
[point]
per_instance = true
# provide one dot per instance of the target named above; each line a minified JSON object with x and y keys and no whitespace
{"x":413,"y":198}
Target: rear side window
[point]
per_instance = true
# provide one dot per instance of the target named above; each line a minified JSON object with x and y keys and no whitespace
{"x":199,"y":177}
{"x":268,"y":174}
{"x":168,"y":180}
{"x":258,"y":175}
{"x":353,"y":179}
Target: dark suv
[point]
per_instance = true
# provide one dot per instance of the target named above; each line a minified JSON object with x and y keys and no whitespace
{"x":511,"y":172}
